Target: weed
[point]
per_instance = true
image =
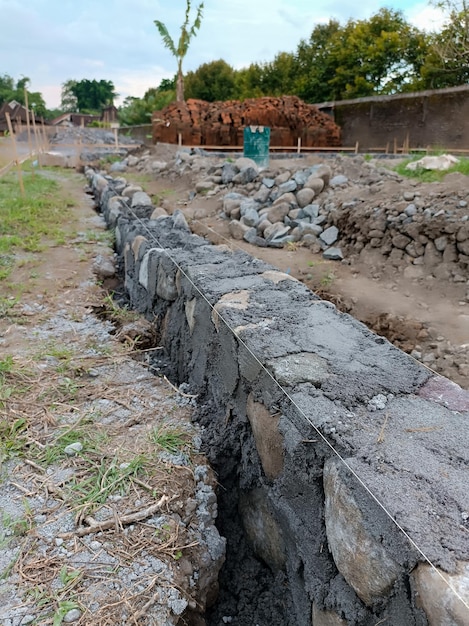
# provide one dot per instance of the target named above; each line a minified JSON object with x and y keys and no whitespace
{"x":120,"y":315}
{"x":106,"y":479}
{"x":170,"y":439}
{"x":328,"y":279}
{"x":64,"y":606}
{"x":12,"y":435}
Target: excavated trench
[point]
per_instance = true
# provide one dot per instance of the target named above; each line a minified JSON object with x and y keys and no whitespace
{"x":250,"y":592}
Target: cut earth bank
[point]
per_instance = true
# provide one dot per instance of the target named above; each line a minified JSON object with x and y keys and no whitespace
{"x":298,"y":400}
{"x":405,"y":244}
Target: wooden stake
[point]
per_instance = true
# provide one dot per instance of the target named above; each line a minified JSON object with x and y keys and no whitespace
{"x":179,"y":139}
{"x":356,"y":148}
{"x":38,"y":142}
{"x":299,"y":145}
{"x":30,"y":145}
{"x":116,"y":138}
{"x":15,"y":152}
{"x":44,"y":134}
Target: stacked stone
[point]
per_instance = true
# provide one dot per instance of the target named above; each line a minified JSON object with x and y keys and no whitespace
{"x":431,"y":232}
{"x":223,"y":123}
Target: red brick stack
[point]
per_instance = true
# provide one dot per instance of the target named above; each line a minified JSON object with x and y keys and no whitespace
{"x":222,"y":123}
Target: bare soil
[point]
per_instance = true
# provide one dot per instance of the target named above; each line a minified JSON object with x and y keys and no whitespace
{"x":134,"y":555}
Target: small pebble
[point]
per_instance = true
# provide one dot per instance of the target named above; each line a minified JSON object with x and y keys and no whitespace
{"x":72,"y":616}
{"x":73,"y":448}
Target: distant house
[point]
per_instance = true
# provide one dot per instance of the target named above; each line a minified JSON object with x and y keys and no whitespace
{"x":18,"y":115}
{"x":108,"y":115}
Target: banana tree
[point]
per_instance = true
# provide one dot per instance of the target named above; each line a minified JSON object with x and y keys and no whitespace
{"x":179,"y":51}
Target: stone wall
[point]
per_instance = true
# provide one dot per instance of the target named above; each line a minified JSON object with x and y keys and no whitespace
{"x":435,"y":119}
{"x":299,"y":400}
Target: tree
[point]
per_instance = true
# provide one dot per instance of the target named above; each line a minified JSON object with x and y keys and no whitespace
{"x":211,"y":82}
{"x":139,"y":110}
{"x":381,"y":55}
{"x":447,"y":63}
{"x":87,"y":96}
{"x":180,"y":51}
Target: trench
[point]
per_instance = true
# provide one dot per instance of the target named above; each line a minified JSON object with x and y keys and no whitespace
{"x":284,"y":380}
{"x":250,"y":592}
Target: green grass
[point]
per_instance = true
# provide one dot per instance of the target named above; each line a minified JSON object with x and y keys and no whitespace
{"x":29,"y":223}
{"x":170,"y":439}
{"x":103,"y":480}
{"x":431,"y":176}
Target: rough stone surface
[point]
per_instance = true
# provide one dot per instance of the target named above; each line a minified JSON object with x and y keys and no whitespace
{"x":436,"y":596}
{"x":359,"y":556}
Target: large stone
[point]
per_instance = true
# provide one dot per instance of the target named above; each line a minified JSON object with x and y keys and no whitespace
{"x":463,"y":246}
{"x":338,"y":181}
{"x":303,"y":367}
{"x":333,"y":254}
{"x":444,"y":603}
{"x":231,"y":202}
{"x":237,"y":229}
{"x":322,"y":171}
{"x":304,"y":197}
{"x":204,"y":185}
{"x":250,"y":217}
{"x":262,"y":528}
{"x":315,"y":183}
{"x":262,"y":194}
{"x":245,"y":176}
{"x":400,"y":241}
{"x":278,"y":212}
{"x":289,"y":198}
{"x":140,"y":198}
{"x":276,"y":230}
{"x":228,"y":172}
{"x":131,"y":190}
{"x":244,"y":162}
{"x":330,"y":235}
{"x":432,"y":257}
{"x":288,"y":187}
{"x":269,"y":441}
{"x":360,"y":558}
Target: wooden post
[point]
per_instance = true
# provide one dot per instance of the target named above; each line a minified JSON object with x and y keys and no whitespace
{"x":395,"y":145}
{"x":38,"y":142}
{"x":179,"y":139}
{"x":116,"y":138}
{"x":356,"y":148}
{"x":299,"y":145}
{"x":44,"y":135}
{"x":30,"y":145}
{"x":15,"y":152}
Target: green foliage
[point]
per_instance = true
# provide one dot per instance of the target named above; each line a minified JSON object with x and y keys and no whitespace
{"x":212,"y":82}
{"x":381,"y":55}
{"x":87,"y":96}
{"x":170,"y":439}
{"x":139,"y":110}
{"x":180,"y":49}
{"x":9,"y":90}
{"x":446,"y":64}
{"x":26,"y":222}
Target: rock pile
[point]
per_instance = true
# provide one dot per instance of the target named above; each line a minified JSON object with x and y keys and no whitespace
{"x":223,"y":123}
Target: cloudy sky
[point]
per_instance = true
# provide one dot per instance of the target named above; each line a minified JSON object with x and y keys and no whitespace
{"x":51,"y":41}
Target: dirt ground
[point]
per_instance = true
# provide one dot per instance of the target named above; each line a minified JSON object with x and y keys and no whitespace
{"x":420,"y":315}
{"x":71,"y":376}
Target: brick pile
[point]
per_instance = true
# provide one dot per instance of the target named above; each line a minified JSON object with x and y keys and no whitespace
{"x":222,"y":123}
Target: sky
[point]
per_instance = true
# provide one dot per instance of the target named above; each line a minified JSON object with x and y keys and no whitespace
{"x":52,"y":41}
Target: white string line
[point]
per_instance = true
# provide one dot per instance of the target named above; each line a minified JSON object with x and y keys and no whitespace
{"x":233,"y":244}
{"x":301,"y":412}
